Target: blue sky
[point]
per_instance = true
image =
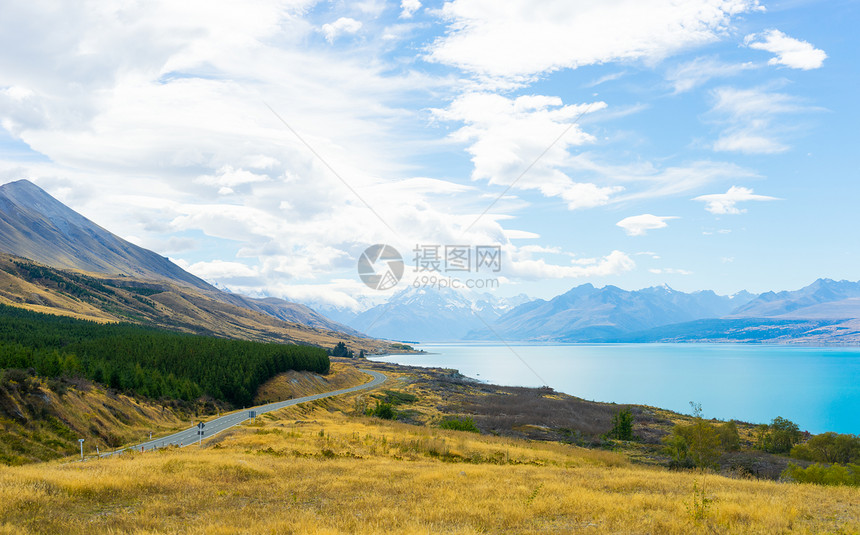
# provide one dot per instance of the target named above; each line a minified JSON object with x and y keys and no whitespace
{"x":708,"y":145}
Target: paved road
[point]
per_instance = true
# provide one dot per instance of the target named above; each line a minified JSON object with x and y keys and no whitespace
{"x":213,"y":427}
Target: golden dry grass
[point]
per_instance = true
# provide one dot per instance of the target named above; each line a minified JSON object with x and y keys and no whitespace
{"x":313,"y":470}
{"x":54,"y":422}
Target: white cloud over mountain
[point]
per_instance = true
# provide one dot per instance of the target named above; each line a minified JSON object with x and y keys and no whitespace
{"x":153,"y":119}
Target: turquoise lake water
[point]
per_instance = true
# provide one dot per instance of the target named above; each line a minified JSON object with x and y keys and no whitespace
{"x":817,"y":388}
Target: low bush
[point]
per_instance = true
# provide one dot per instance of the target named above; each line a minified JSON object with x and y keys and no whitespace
{"x":382,"y":410}
{"x":825,"y":475}
{"x":398,"y":398}
{"x":460,"y":424}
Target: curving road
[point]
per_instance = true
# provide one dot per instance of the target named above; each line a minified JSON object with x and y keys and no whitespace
{"x":213,"y":427}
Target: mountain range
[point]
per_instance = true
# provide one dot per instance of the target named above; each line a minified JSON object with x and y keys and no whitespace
{"x":54,"y":259}
{"x":587,"y":314}
{"x":825,"y":312}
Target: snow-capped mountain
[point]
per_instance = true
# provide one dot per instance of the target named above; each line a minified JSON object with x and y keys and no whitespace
{"x":428,"y":314}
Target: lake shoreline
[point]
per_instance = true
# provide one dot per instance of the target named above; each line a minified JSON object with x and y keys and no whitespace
{"x":813,"y":386}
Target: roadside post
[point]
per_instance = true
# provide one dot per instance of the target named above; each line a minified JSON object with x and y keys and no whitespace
{"x":81,"y":442}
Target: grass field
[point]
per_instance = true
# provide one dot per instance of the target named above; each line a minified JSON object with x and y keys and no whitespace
{"x":316,"y":469}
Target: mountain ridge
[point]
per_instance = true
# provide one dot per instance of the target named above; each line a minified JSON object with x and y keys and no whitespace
{"x":36,"y":226}
{"x":586,"y":313}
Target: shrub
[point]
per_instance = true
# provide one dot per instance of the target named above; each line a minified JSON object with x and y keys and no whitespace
{"x":824,"y":475}
{"x":460,"y":424}
{"x":398,"y":398}
{"x":382,"y":410}
{"x":696,"y":444}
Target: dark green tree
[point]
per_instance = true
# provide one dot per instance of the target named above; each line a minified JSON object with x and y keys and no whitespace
{"x":829,"y":447}
{"x":778,"y":437}
{"x":340,"y":350}
{"x":622,"y":425}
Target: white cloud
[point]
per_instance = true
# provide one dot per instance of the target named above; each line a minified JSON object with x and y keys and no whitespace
{"x":638,"y":225}
{"x":525,"y":143}
{"x":789,"y":51}
{"x":750,"y":119}
{"x":540,"y":249}
{"x":614,"y":263}
{"x":670,"y":271}
{"x":516,"y":40}
{"x":646,"y":180}
{"x":222,"y":271}
{"x":408,"y":8}
{"x":228,"y":177}
{"x":746,"y":140}
{"x":724,"y":203}
{"x":756,"y":102}
{"x":342,"y":26}
{"x":199,"y":155}
{"x":692,"y":74}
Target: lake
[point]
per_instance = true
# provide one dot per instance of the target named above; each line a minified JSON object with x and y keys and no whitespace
{"x":817,"y":388}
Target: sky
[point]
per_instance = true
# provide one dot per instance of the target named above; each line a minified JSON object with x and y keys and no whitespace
{"x":703,"y":144}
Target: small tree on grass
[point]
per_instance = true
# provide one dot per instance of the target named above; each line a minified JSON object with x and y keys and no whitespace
{"x":730,"y":439}
{"x":622,"y":425}
{"x":697,"y":444}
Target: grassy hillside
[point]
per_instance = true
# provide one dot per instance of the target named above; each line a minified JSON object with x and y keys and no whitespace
{"x":316,"y":470}
{"x":42,"y":420}
{"x":102,"y":298}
